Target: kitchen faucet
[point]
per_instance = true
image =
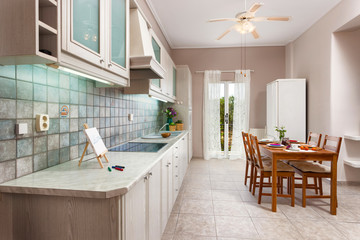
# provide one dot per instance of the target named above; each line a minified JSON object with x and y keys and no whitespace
{"x":163,"y":126}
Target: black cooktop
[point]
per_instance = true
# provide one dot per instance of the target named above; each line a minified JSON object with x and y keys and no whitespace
{"x":138,"y":147}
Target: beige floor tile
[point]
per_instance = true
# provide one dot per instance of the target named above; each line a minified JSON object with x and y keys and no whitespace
{"x":247,"y":196}
{"x":197,"y":207}
{"x":171,"y":224}
{"x":198,"y":225}
{"x":224,"y":185}
{"x":177,"y":205}
{"x":241,"y":227}
{"x":225,"y":238}
{"x":192,"y":237}
{"x":317,"y":230}
{"x":299,"y":212}
{"x":221,"y":178}
{"x":222,"y":195}
{"x":200,"y":194}
{"x":227,"y":208}
{"x":350,"y":230}
{"x":342,"y":214}
{"x":167,"y":237}
{"x":263,"y":210}
{"x":276,"y":228}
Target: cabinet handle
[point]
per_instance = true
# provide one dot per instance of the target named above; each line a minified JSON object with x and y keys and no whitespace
{"x":176,"y":147}
{"x":176,"y":175}
{"x":109,"y":65}
{"x":101,"y":60}
{"x":150,"y":173}
{"x":169,"y":163}
{"x":146,"y":178}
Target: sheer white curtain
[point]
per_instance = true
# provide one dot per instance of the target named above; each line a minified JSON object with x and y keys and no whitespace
{"x":241,"y":112}
{"x":211,"y":115}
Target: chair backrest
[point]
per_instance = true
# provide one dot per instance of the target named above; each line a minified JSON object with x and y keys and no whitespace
{"x":314,"y":139}
{"x":246,"y":142}
{"x":256,"y":151}
{"x":335,"y":146}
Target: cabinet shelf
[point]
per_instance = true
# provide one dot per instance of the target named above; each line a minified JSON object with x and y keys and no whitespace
{"x":45,"y":29}
{"x":353,"y":163}
{"x":47,"y":3}
{"x":351,"y":137}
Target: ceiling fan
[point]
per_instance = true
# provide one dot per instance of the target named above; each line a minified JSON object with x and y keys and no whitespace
{"x":244,"y":21}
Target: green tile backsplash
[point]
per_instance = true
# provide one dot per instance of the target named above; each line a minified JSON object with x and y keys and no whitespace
{"x":27,"y":90}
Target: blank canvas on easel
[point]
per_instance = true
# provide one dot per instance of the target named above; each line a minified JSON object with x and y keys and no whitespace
{"x":96,"y":141}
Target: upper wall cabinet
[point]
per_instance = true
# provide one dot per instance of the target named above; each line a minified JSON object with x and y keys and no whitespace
{"x":28,"y":31}
{"x":95,"y":38}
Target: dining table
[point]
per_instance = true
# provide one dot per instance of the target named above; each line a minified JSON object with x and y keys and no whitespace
{"x":319,"y":155}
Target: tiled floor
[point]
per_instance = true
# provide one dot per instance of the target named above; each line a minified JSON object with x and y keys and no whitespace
{"x":214,"y":204}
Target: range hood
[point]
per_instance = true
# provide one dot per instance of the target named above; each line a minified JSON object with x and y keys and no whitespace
{"x":143,"y":64}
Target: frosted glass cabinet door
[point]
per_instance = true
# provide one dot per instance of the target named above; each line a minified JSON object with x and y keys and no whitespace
{"x":118,"y":41}
{"x":86,"y":30}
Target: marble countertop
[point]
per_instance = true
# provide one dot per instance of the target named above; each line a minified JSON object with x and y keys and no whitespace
{"x":90,"y":180}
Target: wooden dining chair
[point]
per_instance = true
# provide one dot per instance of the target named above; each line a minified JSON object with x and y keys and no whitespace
{"x":249,"y":163}
{"x":316,"y":169}
{"x":264,"y":169}
{"x":314,"y":139}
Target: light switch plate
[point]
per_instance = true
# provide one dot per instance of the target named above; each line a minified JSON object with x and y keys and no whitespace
{"x":21,"y":128}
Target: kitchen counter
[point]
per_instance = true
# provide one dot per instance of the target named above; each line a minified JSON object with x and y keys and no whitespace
{"x":89,"y":180}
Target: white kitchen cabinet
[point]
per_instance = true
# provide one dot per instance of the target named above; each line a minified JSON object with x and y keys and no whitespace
{"x":95,"y":38}
{"x":29,"y":28}
{"x":286,"y":106}
{"x":166,"y":188}
{"x":180,"y":164}
{"x":143,"y":207}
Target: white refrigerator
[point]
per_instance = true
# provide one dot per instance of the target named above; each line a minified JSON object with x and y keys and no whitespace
{"x":286,"y":106}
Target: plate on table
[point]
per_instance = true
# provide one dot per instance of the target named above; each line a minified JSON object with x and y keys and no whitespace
{"x":266,"y":140}
{"x":293,"y":141}
{"x":275,"y":145}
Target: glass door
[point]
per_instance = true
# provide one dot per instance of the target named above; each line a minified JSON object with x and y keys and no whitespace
{"x":226,"y":117}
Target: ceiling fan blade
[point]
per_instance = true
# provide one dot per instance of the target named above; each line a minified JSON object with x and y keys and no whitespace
{"x":278,"y":18}
{"x":258,"y":19}
{"x":255,"y":7}
{"x":223,"y":20}
{"x":255,"y":34}
{"x":222,"y":35}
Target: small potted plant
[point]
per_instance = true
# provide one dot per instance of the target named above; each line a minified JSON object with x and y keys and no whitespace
{"x":172,"y":127}
{"x":179,"y":125}
{"x":281,"y":131}
{"x":169,"y":113}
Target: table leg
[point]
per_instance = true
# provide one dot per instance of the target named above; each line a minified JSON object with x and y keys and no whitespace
{"x":333,"y":190}
{"x":274,"y":187}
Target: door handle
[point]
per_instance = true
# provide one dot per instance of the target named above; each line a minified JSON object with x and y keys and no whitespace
{"x":226,"y":118}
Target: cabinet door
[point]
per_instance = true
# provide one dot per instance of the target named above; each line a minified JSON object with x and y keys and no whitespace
{"x":117,"y":61}
{"x":85,"y":26}
{"x":154,"y":196}
{"x":271,"y":109}
{"x":156,"y":83}
{"x":174,"y":81}
{"x":175,"y":176}
{"x":135,"y":212}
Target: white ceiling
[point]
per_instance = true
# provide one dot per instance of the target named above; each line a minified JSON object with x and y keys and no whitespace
{"x":184,"y":22}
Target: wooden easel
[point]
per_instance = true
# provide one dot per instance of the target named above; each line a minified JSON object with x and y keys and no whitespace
{"x":102,"y":155}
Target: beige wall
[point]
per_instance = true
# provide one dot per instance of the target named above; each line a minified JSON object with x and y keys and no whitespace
{"x":267,"y":62}
{"x":330,"y":64}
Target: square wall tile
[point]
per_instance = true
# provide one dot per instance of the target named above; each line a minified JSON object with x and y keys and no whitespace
{"x":7,"y":71}
{"x":39,"y":75}
{"x":24,"y":109}
{"x":64,"y":140}
{"x":82,"y":85}
{"x":40,"y":144}
{"x":24,"y":90}
{"x":74,"y":82}
{"x":74,"y":138}
{"x":40,"y":161}
{"x":24,"y":166}
{"x":90,"y":86}
{"x":82,"y":111}
{"x":74,"y":111}
{"x":7,"y":150}
{"x":82,"y":137}
{"x":53,"y":110}
{"x":53,"y":94}
{"x":54,"y":126}
{"x":89,"y":111}
{"x":24,"y":147}
{"x":39,"y":108}
{"x":64,"y":125}
{"x":74,"y":152}
{"x":81,"y":123}
{"x":74,"y":127}
{"x":7,"y":88}
{"x":64,"y":81}
{"x":64,"y":155}
{"x":40,"y":93}
{"x":24,"y":72}
{"x":7,"y":171}
{"x":74,"y":97}
{"x":64,"y":96}
{"x":7,"y":129}
{"x":52,"y":77}
{"x":82,"y":98}
{"x":53,"y":142}
{"x":53,"y":158}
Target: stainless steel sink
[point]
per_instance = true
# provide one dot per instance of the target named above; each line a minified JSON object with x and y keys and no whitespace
{"x":158,"y":135}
